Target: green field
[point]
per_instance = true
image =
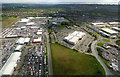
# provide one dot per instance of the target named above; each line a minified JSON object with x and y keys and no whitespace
{"x":106,"y":40}
{"x":69,"y":62}
{"x":7,"y":22}
{"x":118,"y":42}
{"x":100,"y":44}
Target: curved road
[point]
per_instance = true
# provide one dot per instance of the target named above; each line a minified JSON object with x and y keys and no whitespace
{"x":93,"y":47}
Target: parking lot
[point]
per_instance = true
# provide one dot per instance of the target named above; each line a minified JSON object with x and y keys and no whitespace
{"x":81,"y":46}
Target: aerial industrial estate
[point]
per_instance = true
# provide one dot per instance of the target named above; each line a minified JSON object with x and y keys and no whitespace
{"x":54,"y":44}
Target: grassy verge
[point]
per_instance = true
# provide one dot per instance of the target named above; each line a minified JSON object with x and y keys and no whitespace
{"x":100,"y":44}
{"x":106,"y":40}
{"x":68,"y":62}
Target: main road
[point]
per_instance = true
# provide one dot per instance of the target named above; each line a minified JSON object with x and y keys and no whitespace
{"x":94,"y":52}
{"x":50,"y":69}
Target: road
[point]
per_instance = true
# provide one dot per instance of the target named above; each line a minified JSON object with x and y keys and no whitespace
{"x":50,"y":69}
{"x":93,"y":47}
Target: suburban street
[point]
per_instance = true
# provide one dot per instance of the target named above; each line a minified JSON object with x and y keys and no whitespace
{"x":94,"y":52}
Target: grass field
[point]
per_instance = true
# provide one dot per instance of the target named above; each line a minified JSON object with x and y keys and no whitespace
{"x":106,"y":40}
{"x":69,"y":62}
{"x":7,"y":22}
{"x":100,"y":44}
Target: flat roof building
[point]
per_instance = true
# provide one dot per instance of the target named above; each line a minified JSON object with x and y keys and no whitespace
{"x":98,"y":23}
{"x":39,"y":33}
{"x":31,"y":18}
{"x":24,"y":21}
{"x":11,"y":63}
{"x":116,"y":28}
{"x":114,"y":23}
{"x":19,"y":48}
{"x":31,"y":24}
{"x":20,"y":41}
{"x":27,"y":40}
{"x":74,"y":37}
{"x":109,"y":31}
{"x":39,"y":40}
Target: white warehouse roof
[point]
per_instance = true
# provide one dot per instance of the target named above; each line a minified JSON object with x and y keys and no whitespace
{"x":8,"y":67}
{"x":35,"y":27}
{"x":19,"y":47}
{"x":31,"y":18}
{"x":37,"y":40}
{"x":109,"y":31}
{"x":30,"y":23}
{"x":116,"y":28}
{"x":114,"y":23}
{"x":20,"y":41}
{"x":98,"y":23}
{"x":74,"y":37}
{"x":24,"y":20}
{"x":39,"y":33}
{"x":40,"y":30}
{"x":27,"y":40}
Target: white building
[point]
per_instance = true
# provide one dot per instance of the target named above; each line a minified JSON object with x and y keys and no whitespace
{"x":27,"y":40}
{"x":31,"y":24}
{"x":98,"y":23}
{"x":114,"y":23}
{"x":19,"y":48}
{"x":20,"y":41}
{"x":11,"y":63}
{"x":39,"y":40}
{"x":109,"y":31}
{"x":11,"y":36}
{"x":39,"y":33}
{"x":35,"y":27}
{"x":74,"y":37}
{"x":24,"y":21}
{"x":116,"y":28}
{"x":31,"y":18}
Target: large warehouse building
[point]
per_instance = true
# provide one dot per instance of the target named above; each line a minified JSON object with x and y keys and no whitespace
{"x":74,"y":37}
{"x":11,"y":63}
{"x":109,"y":31}
{"x":23,"y":40}
{"x":116,"y":28}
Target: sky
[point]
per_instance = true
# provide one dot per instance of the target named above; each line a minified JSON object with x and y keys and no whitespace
{"x":61,"y":1}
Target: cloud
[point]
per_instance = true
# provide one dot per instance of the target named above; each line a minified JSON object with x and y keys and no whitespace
{"x":56,"y":1}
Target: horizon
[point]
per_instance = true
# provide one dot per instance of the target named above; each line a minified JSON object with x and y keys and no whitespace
{"x":62,"y":2}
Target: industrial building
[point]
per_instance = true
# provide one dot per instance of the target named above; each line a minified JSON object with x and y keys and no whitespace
{"x":74,"y":37}
{"x":11,"y":63}
{"x":19,"y":48}
{"x":39,"y":40}
{"x":35,"y":27}
{"x":116,"y":28}
{"x":31,"y":18}
{"x":109,"y":31}
{"x":98,"y":23}
{"x":113,"y":23}
{"x":30,"y":24}
{"x":20,"y":41}
{"x":24,"y":21}
{"x":23,"y":40}
{"x":39,"y":33}
{"x":11,"y":36}
{"x":26,"y":40}
{"x":104,"y":34}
